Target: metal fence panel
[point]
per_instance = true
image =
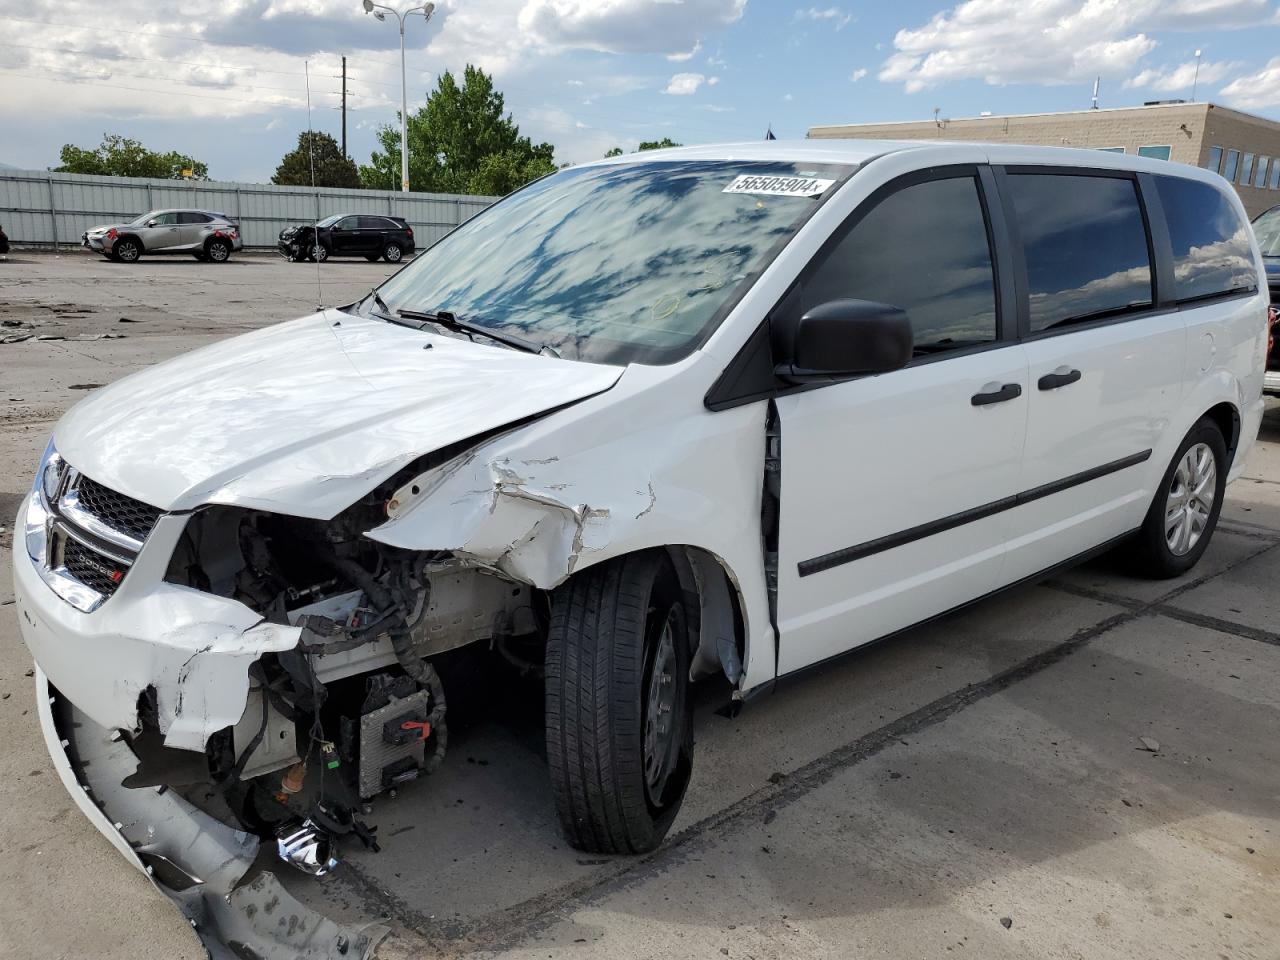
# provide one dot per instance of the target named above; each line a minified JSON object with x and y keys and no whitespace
{"x":43,"y":209}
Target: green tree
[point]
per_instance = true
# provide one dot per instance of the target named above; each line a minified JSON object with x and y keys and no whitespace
{"x":460,"y":141}
{"x":119,"y":156}
{"x":644,"y":145}
{"x":332,"y":169}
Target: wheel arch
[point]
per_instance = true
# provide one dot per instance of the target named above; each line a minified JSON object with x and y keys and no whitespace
{"x":712,"y":595}
{"x":1227,"y":417}
{"x":142,"y":247}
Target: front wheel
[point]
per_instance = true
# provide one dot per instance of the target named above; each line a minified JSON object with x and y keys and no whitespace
{"x":127,"y":250}
{"x":618,"y":710}
{"x":1185,"y":511}
{"x":318,"y":252}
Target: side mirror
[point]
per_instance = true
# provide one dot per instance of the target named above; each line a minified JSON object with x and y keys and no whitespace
{"x":843,"y":338}
{"x":151,"y":223}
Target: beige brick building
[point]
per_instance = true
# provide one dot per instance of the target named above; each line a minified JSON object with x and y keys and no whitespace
{"x":1243,"y":148}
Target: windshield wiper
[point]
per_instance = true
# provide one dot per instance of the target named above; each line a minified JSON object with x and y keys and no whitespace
{"x":383,"y":312}
{"x":451,"y":321}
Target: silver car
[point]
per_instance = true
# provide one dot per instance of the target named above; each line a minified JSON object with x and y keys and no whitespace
{"x":203,"y":234}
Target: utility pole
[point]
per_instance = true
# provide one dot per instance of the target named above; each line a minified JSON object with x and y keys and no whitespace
{"x":344,"y":106}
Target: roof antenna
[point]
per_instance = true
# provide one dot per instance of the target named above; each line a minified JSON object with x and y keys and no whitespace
{"x":315,"y":226}
{"x":1097,"y":81}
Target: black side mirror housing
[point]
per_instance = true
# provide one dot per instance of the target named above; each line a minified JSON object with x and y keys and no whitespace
{"x":846,"y":338}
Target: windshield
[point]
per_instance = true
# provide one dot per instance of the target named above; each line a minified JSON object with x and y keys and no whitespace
{"x":1267,"y":229}
{"x":629,"y":263}
{"x":330,"y":221}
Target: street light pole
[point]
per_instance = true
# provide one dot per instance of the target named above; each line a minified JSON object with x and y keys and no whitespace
{"x":1196,"y":81}
{"x":380,"y":12}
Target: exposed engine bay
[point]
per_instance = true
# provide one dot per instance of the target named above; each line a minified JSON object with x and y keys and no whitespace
{"x":357,"y":708}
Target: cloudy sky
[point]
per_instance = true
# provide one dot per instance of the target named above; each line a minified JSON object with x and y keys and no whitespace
{"x":225,"y":80}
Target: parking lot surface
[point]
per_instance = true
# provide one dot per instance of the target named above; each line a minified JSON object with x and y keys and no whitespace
{"x":1088,"y":767}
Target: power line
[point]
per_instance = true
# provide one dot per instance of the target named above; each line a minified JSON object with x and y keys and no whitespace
{"x":189,"y":38}
{"x":148,"y":90}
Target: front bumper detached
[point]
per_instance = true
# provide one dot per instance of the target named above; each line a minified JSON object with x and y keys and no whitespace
{"x":200,"y":863}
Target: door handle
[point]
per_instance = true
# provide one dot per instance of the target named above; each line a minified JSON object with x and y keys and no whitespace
{"x":1059,"y":378}
{"x":1008,"y":391}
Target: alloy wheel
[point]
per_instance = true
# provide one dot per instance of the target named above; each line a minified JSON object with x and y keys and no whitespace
{"x":1191,"y":497}
{"x":393,"y":253}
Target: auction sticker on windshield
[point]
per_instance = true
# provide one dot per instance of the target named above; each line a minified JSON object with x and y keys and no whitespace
{"x":778,"y":186}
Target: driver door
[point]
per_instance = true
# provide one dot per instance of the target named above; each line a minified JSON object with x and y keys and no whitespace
{"x":161,"y":232}
{"x":344,"y":236}
{"x":894,"y":487}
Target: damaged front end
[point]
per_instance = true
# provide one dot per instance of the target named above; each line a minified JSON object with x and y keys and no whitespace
{"x":234,"y":692}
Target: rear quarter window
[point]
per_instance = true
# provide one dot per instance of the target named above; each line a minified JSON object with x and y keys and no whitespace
{"x":1211,"y":251}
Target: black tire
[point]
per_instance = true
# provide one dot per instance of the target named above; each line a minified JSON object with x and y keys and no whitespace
{"x":217,"y":251}
{"x":127,"y":250}
{"x":1152,"y":552}
{"x":607,"y":627}
{"x":200,"y":256}
{"x":371,"y":257}
{"x":392,"y":253}
{"x":318,"y":253}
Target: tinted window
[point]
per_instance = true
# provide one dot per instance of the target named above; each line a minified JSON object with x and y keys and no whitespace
{"x":1215,"y":159}
{"x":1210,"y":242}
{"x":1155,"y":152}
{"x":347,"y":223}
{"x":375,"y":223}
{"x":1246,"y":169}
{"x":924,"y":249}
{"x":193,"y":218}
{"x":1085,"y":247}
{"x":165,"y":219}
{"x":1260,"y":175}
{"x":1233,"y":162}
{"x":1275,"y":175}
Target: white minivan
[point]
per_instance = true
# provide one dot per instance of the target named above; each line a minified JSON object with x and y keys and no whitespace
{"x":725,"y":411}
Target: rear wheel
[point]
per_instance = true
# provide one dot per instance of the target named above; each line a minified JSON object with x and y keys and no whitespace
{"x":127,"y":249}
{"x":619,"y":723}
{"x":392,"y":253}
{"x":218,"y":251}
{"x":1185,"y":511}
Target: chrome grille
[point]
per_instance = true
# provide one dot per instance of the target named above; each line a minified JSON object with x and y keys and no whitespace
{"x":122,"y":513}
{"x":95,"y":570}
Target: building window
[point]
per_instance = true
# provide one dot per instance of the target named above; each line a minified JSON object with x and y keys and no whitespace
{"x":1233,"y":165}
{"x":1214,"y":162}
{"x":1246,"y":169}
{"x":1111,"y":149}
{"x":1260,"y":173}
{"x":1155,"y":152}
{"x":1275,"y":175}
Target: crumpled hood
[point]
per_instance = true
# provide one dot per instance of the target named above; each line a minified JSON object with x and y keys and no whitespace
{"x":307,"y":416}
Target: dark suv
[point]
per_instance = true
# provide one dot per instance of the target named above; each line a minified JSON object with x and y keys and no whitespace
{"x":1266,"y":227}
{"x":349,"y":235}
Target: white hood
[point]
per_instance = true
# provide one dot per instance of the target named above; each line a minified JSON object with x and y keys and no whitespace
{"x":305,"y":417}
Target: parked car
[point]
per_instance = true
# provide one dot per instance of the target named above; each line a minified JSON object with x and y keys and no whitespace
{"x":1266,"y":227}
{"x":4,"y":242}
{"x":203,"y":234}
{"x":717,"y":411}
{"x":349,"y":235}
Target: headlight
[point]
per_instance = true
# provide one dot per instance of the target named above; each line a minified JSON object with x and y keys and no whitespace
{"x":44,"y":491}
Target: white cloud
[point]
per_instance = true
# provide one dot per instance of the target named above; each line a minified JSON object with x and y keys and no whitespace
{"x":684,"y":84}
{"x":788,"y":97}
{"x":1171,"y":79}
{"x":1255,"y":91}
{"x":1049,"y":41}
{"x":625,"y":26}
{"x":858,"y":74}
{"x":687,"y":55}
{"x":834,"y":14}
{"x":712,"y":81}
